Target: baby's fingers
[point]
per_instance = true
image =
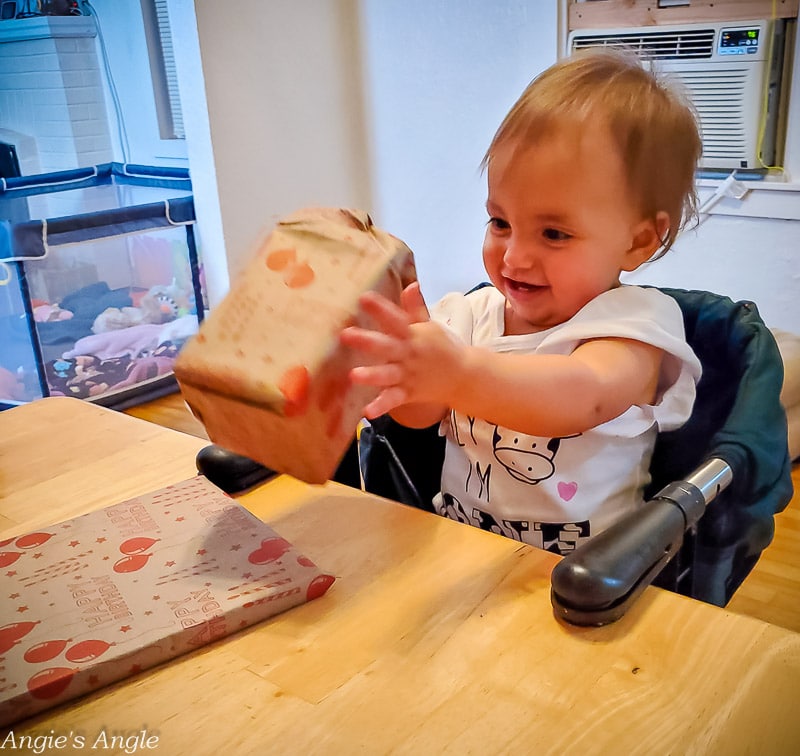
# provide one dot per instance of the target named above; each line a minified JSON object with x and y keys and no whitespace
{"x":385,"y":402}
{"x":388,"y":317}
{"x":377,"y":345}
{"x":380,"y":376}
{"x":414,"y":303}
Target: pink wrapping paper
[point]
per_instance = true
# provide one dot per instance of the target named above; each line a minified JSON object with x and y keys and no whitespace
{"x":95,"y":599}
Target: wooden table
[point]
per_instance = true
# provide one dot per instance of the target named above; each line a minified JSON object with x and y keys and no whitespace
{"x":436,"y":637}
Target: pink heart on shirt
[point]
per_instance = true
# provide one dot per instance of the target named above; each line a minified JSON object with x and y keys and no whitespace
{"x":567,"y":490}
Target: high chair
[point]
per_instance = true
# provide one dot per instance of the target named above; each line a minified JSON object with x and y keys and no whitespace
{"x":733,"y":451}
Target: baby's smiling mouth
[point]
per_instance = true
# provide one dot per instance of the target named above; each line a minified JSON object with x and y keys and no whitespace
{"x":521,"y":286}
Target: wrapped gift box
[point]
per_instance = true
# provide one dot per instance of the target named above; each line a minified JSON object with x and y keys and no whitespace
{"x":97,"y":598}
{"x":266,"y":374}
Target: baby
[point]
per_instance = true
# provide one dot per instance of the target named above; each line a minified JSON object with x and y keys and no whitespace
{"x":551,"y":385}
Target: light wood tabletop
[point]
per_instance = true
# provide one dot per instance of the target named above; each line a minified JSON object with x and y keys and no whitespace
{"x":435,"y":638}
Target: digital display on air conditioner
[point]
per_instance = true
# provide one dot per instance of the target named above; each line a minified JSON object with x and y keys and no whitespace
{"x":738,"y":41}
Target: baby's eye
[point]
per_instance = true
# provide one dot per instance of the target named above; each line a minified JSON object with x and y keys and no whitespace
{"x":553,"y":234}
{"x":499,"y":224}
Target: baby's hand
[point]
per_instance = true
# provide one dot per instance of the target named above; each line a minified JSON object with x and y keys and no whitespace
{"x":410,"y":358}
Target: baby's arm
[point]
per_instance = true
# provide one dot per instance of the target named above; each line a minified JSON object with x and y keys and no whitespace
{"x":422,"y":371}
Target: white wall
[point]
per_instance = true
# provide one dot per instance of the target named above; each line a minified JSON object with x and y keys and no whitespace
{"x":441,"y":76}
{"x":379,"y":104}
{"x":744,"y":258}
{"x":390,"y":105}
{"x":137,"y":139}
{"x":282,"y":83}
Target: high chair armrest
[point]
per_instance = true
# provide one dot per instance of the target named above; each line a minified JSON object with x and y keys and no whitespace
{"x":598,"y":582}
{"x":231,"y":472}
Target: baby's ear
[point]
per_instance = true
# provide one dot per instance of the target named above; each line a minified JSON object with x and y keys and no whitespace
{"x":648,"y":235}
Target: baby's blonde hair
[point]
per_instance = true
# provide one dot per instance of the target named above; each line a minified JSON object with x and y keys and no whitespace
{"x":650,"y":119}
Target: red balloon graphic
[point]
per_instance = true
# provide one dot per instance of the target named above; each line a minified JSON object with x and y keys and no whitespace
{"x":32,"y":540}
{"x":9,"y":557}
{"x":137,"y":545}
{"x":5,"y":542}
{"x":86,"y":651}
{"x":271,"y":549}
{"x":131,"y":563}
{"x":11,"y":634}
{"x":305,"y":561}
{"x":318,"y":586}
{"x":51,"y":682}
{"x":45,"y":651}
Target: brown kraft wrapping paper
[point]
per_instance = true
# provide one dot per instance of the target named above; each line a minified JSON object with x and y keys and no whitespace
{"x":266,"y":374}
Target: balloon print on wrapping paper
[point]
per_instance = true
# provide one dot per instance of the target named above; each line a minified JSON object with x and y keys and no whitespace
{"x":32,"y":540}
{"x":87,"y":650}
{"x":318,"y":586}
{"x":51,"y":682}
{"x":82,"y":652}
{"x":44,"y":651}
{"x":134,"y":549}
{"x":12,"y":634}
{"x":7,"y":558}
{"x":270,"y":550}
{"x":131,"y":563}
{"x":137,"y":545}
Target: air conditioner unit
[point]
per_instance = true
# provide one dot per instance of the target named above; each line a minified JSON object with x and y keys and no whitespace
{"x":729,"y":70}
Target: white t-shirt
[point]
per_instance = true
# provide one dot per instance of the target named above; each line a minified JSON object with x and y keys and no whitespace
{"x":557,"y":492}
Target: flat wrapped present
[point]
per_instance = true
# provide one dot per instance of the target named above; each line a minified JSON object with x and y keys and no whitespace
{"x":266,"y":374}
{"x":100,"y":597}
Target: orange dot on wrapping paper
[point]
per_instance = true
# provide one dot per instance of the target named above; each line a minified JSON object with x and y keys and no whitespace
{"x":299,"y":275}
{"x":280,"y":258}
{"x":295,"y":384}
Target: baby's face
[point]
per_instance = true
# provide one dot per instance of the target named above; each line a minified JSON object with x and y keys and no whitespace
{"x":562,"y":226}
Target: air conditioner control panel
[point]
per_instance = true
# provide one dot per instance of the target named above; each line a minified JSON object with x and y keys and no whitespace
{"x":738,"y":41}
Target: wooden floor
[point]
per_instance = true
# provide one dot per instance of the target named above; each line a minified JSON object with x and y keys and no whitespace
{"x":771,"y":592}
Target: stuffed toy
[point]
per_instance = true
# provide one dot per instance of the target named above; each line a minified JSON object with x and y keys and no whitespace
{"x":160,"y":304}
{"x":116,"y":318}
{"x":48,"y":313}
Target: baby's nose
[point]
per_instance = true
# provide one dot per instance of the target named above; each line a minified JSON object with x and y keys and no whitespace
{"x":520,"y":254}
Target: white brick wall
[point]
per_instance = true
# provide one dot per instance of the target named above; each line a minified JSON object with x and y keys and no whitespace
{"x":51,"y":91}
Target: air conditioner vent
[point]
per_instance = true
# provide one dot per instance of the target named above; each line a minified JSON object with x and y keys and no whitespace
{"x":691,"y":44}
{"x":718,"y":96}
{"x":732,"y":73}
